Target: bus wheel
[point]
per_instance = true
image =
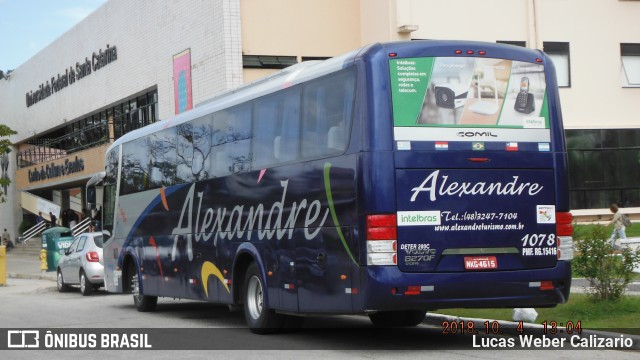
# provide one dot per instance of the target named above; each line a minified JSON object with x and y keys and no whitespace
{"x":293,"y":322}
{"x":143,"y":303}
{"x":397,"y":318}
{"x":260,"y":319}
{"x":414,"y":317}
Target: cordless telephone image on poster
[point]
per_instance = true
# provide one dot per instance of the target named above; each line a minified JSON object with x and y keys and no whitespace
{"x":525,"y":103}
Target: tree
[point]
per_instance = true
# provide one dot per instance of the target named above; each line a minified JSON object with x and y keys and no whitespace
{"x":608,"y":272}
{"x":5,"y":149}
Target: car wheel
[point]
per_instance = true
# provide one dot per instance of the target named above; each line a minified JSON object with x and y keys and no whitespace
{"x":62,"y":287}
{"x":259,"y":318}
{"x":86,"y":288}
{"x":143,"y":303}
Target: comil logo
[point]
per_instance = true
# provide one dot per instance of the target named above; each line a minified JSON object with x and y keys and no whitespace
{"x":23,"y":339}
{"x":467,"y":134}
{"x":418,"y":218}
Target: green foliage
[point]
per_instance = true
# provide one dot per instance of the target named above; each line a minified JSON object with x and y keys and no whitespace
{"x":581,"y":231}
{"x":608,"y":272}
{"x":24,"y":226}
{"x":5,"y":144}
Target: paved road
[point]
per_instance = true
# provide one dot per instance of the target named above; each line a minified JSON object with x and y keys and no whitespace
{"x":29,"y":303}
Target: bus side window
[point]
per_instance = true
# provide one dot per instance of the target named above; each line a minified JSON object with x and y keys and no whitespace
{"x":328,"y":109}
{"x":277,"y":143}
{"x":163,"y":150}
{"x":315,"y":121}
{"x":336,"y":139}
{"x":221,"y":163}
{"x":266,"y":124}
{"x":290,"y":129}
{"x":232,"y":140}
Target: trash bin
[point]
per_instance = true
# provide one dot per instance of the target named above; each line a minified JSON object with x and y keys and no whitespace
{"x":58,"y":239}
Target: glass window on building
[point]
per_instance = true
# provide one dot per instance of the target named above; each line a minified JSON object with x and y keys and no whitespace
{"x":602,"y":167}
{"x":559,"y":53}
{"x":630,"y":57}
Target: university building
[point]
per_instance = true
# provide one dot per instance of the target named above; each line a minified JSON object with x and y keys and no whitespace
{"x":130,"y":64}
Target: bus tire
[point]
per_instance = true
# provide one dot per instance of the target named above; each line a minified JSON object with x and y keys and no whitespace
{"x":397,"y":318}
{"x":414,"y":317}
{"x":259,"y":318}
{"x":143,"y":303}
{"x":293,"y":322}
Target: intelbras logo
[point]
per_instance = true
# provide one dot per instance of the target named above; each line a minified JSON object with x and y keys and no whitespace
{"x":418,"y":218}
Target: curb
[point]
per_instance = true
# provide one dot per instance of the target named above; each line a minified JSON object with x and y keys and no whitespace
{"x":31,"y":276}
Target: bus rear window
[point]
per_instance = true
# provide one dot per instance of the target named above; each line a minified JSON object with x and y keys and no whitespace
{"x":482,"y":94}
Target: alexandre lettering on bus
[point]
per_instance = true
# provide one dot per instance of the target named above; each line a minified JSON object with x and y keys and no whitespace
{"x":514,"y":187}
{"x":221,"y":223}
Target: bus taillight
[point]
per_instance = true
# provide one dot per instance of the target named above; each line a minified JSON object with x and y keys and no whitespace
{"x":564,"y":232}
{"x":382,"y":243}
{"x":564,"y":225}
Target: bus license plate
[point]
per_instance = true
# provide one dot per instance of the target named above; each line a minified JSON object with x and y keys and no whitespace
{"x":480,"y":262}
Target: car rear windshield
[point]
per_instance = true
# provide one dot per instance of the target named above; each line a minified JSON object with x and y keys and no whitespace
{"x":98,"y":241}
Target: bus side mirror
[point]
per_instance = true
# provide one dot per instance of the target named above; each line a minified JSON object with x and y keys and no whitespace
{"x":91,"y":197}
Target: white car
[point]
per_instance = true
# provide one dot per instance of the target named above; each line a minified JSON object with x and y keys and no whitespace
{"x":82,"y":264}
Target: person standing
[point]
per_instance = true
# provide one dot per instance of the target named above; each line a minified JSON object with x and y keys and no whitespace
{"x":6,"y":240}
{"x":53,"y":219}
{"x":73,"y":218}
{"x":618,"y":227}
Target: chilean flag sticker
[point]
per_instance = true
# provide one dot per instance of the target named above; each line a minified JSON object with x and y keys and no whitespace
{"x":512,"y":146}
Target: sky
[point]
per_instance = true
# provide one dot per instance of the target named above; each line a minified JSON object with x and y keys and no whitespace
{"x":28,"y":26}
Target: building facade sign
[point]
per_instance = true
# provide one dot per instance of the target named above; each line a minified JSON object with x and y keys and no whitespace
{"x":98,"y":60}
{"x":54,"y":170}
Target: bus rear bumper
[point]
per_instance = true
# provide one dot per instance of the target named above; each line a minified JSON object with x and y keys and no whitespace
{"x":387,"y":288}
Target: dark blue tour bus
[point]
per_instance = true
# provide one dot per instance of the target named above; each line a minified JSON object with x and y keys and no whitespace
{"x":396,"y":179}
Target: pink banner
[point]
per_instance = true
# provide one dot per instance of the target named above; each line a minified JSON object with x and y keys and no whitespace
{"x":182,"y":81}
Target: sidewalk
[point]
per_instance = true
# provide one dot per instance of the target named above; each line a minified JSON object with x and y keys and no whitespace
{"x":25,"y":266}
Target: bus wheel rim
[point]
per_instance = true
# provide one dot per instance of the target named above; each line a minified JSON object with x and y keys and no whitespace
{"x":135,"y":288}
{"x":255,"y":297}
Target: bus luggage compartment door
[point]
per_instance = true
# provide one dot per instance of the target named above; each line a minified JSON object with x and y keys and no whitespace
{"x":452,"y":220}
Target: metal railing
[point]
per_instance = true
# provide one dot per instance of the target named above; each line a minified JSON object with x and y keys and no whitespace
{"x":52,"y":149}
{"x":33,"y":231}
{"x":81,"y":227}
